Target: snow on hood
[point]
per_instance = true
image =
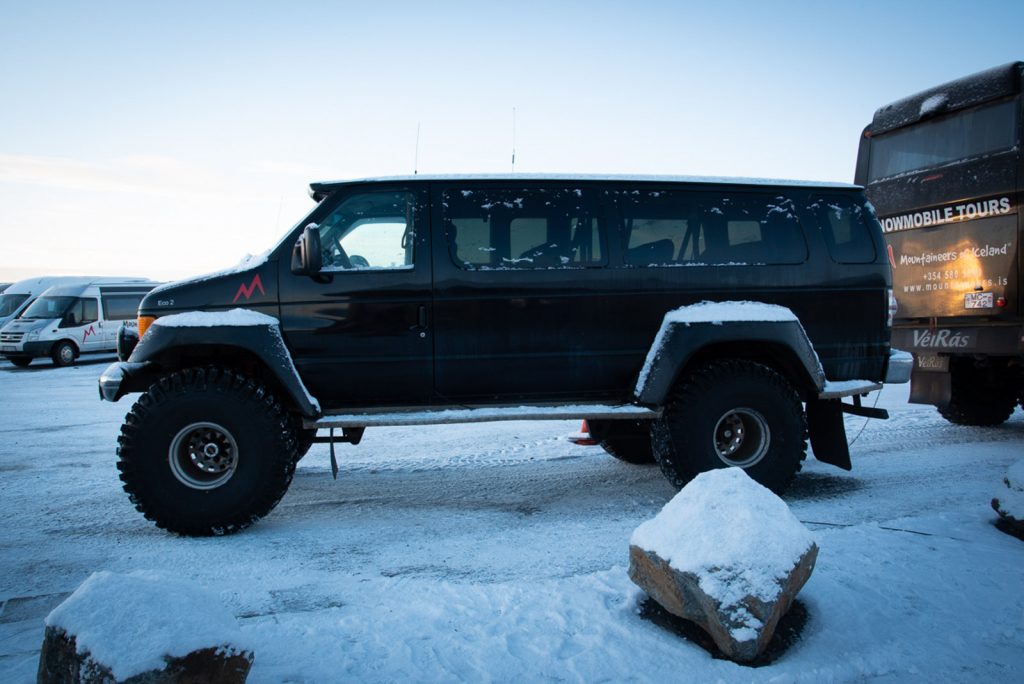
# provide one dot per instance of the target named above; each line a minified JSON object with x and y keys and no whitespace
{"x":733,"y":533}
{"x":129,"y":623}
{"x":212,"y":319}
{"x":247,"y":262}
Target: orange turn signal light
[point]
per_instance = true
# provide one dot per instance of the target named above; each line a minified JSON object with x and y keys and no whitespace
{"x":144,"y":323}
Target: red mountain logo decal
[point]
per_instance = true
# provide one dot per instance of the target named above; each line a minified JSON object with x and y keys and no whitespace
{"x":248,"y":290}
{"x":90,"y":331}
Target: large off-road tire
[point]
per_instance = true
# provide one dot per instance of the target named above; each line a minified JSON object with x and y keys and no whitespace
{"x":206,"y":451}
{"x":63,"y":353}
{"x":20,"y":361}
{"x":732,"y":413}
{"x":626,"y":440}
{"x":978,"y":399}
{"x":303,"y":441}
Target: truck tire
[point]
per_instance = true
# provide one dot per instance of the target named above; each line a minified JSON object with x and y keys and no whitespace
{"x":732,"y":414}
{"x":20,"y":361}
{"x":626,"y":440}
{"x":978,"y":401}
{"x":63,"y":353}
{"x":206,"y":451}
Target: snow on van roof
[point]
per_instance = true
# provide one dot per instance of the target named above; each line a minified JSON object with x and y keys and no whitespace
{"x":322,"y":186}
{"x":77,"y":289}
{"x":40,"y":283}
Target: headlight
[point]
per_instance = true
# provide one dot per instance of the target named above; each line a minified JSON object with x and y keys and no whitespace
{"x":31,"y":335}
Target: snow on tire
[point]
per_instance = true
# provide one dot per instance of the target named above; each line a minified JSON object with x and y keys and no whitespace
{"x":206,"y":451}
{"x":732,"y":413}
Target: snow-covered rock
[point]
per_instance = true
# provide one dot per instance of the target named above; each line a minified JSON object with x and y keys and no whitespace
{"x":727,"y":554}
{"x":1009,"y":502}
{"x":140,"y":627}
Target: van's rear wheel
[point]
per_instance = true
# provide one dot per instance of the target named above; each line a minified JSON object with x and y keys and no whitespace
{"x":979,"y":399}
{"x":206,"y":451}
{"x":626,"y":440}
{"x":732,"y":414}
{"x":63,"y":353}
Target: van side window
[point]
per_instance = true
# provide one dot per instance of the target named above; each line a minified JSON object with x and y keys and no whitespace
{"x":82,"y":312}
{"x":663,"y":228}
{"x":844,"y":225}
{"x":121,"y":307}
{"x":370,"y":231}
{"x":531,"y":228}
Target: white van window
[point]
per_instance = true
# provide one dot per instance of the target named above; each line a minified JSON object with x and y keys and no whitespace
{"x":9,"y":303}
{"x":121,"y":307}
{"x":49,"y":307}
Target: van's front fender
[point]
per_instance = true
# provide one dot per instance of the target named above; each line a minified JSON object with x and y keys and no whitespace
{"x":166,"y":348}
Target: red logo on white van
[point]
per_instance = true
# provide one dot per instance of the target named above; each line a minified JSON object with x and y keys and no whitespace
{"x":89,"y":331}
{"x":247,"y":291}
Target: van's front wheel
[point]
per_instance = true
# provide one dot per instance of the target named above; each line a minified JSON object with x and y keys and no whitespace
{"x":206,"y":451}
{"x":626,"y":440}
{"x":63,"y":353}
{"x":732,"y":414}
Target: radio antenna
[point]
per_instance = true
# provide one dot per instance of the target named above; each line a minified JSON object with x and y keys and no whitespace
{"x":513,"y":140}
{"x":416,"y":158}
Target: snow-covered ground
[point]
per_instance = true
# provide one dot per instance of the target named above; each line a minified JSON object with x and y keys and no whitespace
{"x":498,"y":551}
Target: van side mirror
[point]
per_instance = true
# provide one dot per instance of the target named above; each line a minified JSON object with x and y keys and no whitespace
{"x":307,"y":259}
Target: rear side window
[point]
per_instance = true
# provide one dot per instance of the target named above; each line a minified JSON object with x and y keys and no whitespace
{"x":664,"y":228}
{"x":845,"y":225}
{"x":121,"y":307}
{"x":528,"y":228}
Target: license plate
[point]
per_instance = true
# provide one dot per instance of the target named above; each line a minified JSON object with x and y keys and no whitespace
{"x":932,"y":363}
{"x":979,"y":300}
{"x":8,"y":348}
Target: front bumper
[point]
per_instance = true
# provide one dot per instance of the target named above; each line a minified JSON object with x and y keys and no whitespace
{"x":113,"y":380}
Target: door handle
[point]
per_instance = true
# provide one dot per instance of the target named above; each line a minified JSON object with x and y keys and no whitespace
{"x":421,"y":320}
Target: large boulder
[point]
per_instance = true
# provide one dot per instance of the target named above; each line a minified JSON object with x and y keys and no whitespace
{"x":1009,"y":501}
{"x":140,"y":629}
{"x":727,"y":554}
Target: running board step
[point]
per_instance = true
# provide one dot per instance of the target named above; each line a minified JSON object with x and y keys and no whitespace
{"x":394,"y":417}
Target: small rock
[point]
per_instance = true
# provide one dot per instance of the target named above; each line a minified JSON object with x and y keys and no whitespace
{"x":728,"y":555}
{"x":141,"y":629}
{"x":60,"y":663}
{"x":1009,"y":502}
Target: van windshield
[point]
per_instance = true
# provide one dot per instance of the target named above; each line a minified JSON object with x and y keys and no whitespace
{"x":9,"y":303}
{"x":49,"y":307}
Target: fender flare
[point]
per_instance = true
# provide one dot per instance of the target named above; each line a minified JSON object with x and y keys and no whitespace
{"x":263,"y":341}
{"x":678,"y":342}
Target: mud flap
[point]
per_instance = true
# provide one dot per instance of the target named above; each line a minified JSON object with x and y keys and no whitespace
{"x":828,"y":432}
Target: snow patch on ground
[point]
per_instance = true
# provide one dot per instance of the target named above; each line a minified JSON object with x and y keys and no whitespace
{"x":129,"y":623}
{"x":1011,"y":497}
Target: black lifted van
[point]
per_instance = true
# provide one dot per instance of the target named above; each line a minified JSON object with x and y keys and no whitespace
{"x":690,"y":322}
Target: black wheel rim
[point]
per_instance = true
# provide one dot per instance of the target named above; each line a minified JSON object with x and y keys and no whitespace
{"x":741,"y":437}
{"x":203,"y":456}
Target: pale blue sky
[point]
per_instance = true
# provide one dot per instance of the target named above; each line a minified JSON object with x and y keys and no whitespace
{"x":169,"y":139}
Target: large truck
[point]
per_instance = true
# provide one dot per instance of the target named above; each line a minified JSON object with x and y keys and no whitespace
{"x":943,"y":169}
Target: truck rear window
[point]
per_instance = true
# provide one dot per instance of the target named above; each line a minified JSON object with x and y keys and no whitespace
{"x":960,"y":136}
